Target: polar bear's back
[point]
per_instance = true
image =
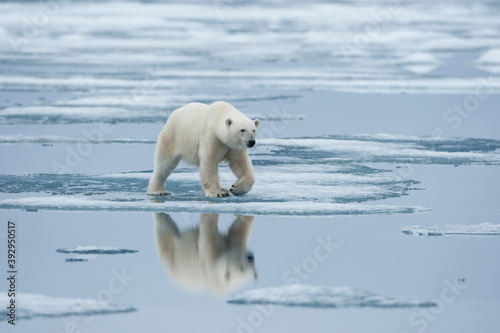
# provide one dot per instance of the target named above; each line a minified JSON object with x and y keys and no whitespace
{"x":190,"y":116}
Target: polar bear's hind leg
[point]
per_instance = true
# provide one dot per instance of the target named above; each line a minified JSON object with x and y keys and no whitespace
{"x":166,"y":160}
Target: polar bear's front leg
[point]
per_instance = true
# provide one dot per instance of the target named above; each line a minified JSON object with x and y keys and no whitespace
{"x":242,"y":167}
{"x":209,"y":172}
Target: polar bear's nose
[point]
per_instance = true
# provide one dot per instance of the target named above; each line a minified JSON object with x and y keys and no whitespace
{"x":251,"y":143}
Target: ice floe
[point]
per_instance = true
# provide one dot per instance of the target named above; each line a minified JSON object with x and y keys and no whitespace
{"x":54,"y":139}
{"x":92,"y":249}
{"x":49,"y":114}
{"x":86,"y":252}
{"x":449,"y":230}
{"x":391,"y":149}
{"x":230,"y":206}
{"x":420,"y":63}
{"x":138,"y":107}
{"x":490,"y":61}
{"x":299,"y":295}
{"x":282,"y":81}
{"x":76,"y":259}
{"x":302,"y":186}
{"x":322,"y":183}
{"x":37,"y":305}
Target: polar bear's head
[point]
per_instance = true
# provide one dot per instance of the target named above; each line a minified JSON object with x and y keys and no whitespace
{"x":233,"y":269}
{"x":241,"y":132}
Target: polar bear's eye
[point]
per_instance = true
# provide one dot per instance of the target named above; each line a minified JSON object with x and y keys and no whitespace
{"x":253,"y":131}
{"x":242,"y":131}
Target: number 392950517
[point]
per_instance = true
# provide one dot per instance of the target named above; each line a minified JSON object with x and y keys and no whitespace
{"x":11,"y":254}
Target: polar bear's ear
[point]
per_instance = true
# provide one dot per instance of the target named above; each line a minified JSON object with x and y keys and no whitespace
{"x":228,"y":122}
{"x":256,"y":122}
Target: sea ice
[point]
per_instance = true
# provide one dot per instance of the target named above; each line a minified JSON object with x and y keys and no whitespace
{"x":448,"y":230}
{"x":37,"y":305}
{"x":321,"y":297}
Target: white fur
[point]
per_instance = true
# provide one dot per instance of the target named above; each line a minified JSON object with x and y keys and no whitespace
{"x":205,"y":135}
{"x":202,"y":258}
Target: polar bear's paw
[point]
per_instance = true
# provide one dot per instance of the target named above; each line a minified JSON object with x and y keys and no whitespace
{"x":241,"y":187}
{"x":221,"y":193}
{"x":159,"y":192}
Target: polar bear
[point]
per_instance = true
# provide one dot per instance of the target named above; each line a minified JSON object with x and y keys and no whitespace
{"x":202,"y":258}
{"x":205,"y":135}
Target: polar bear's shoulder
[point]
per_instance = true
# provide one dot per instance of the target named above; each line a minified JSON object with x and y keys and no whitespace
{"x":221,"y":105}
{"x":192,"y":107}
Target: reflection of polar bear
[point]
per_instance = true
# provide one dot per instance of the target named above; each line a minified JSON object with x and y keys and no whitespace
{"x":205,"y":135}
{"x":201,"y":258}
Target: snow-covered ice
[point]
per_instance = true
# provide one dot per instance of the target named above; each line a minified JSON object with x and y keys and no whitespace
{"x":449,"y":230}
{"x":392,"y":149}
{"x":37,"y":305}
{"x":302,"y":185}
{"x":301,"y":295}
{"x":92,"y":249}
{"x":289,"y":208}
{"x":54,"y":139}
{"x":121,"y":110}
{"x":489,"y":61}
{"x":420,"y":63}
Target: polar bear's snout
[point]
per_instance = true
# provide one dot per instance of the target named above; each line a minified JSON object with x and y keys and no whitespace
{"x":251,"y":143}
